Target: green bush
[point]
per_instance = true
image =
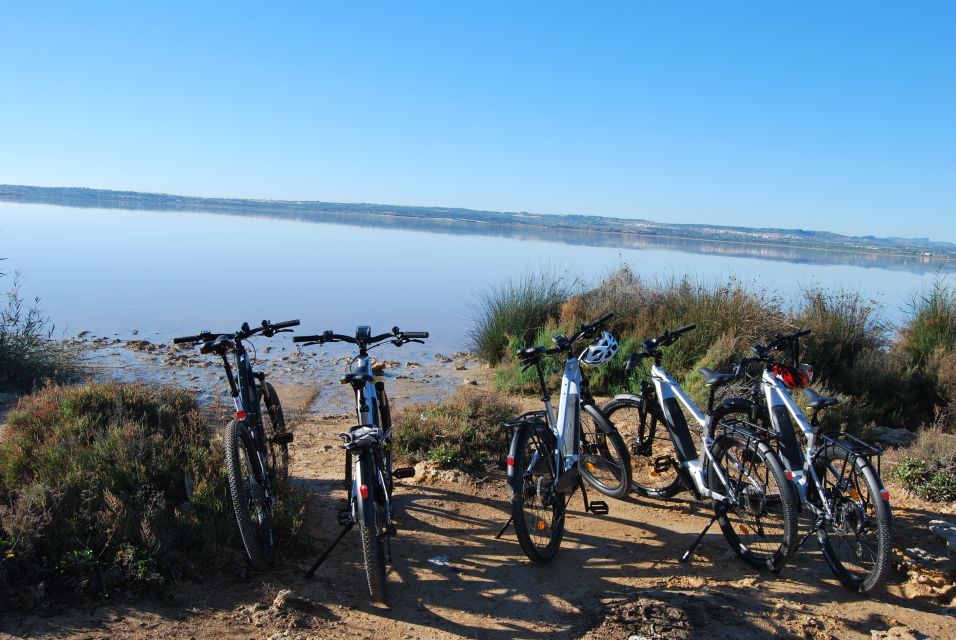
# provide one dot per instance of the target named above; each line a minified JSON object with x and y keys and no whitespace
{"x":932,"y":326}
{"x":112,"y":486}
{"x":515,"y":310}
{"x":28,"y":352}
{"x":463,"y":431}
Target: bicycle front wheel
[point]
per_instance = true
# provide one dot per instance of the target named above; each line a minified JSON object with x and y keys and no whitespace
{"x":536,"y":508}
{"x":278,"y":453}
{"x":647,"y":442}
{"x":759,"y":519}
{"x":249,"y":502}
{"x":605,"y":463}
{"x":373,"y":531}
{"x":856,"y":540}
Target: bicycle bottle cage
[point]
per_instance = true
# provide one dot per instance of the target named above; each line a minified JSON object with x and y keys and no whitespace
{"x":361,"y":437}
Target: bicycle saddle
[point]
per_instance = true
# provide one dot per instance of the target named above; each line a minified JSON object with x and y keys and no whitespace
{"x":361,"y":437}
{"x":817,"y":401}
{"x":715,"y":378}
{"x":531,"y":353}
{"x":219,"y":345}
{"x":361,"y":378}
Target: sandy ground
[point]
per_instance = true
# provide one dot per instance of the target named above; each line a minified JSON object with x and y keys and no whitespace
{"x":616,"y":576}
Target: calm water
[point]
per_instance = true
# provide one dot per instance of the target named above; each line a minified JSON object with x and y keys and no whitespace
{"x":165,"y":273}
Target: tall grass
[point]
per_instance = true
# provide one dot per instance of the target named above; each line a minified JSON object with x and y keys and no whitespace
{"x":516,"y":309}
{"x":114,"y":486}
{"x":28,"y":352}
{"x":932,"y":326}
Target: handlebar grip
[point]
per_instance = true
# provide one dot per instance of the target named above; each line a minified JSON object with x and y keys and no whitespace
{"x":603,"y":319}
{"x":283,"y":325}
{"x":685,"y":328}
{"x":185,"y":339}
{"x":413,"y":335}
{"x":306,"y":338}
{"x":802,"y":332}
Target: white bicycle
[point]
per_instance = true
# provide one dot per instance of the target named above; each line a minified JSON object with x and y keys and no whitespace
{"x":736,"y":468}
{"x":551,"y":454}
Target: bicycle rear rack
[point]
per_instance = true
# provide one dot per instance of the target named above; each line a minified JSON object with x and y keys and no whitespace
{"x":856,"y":447}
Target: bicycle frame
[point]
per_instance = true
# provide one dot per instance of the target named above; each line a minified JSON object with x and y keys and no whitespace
{"x":367,"y":409}
{"x":669,"y":393}
{"x":784,"y":412}
{"x":247,"y":400}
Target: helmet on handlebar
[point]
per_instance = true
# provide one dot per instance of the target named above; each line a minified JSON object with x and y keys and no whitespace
{"x":794,"y":377}
{"x":601,"y":350}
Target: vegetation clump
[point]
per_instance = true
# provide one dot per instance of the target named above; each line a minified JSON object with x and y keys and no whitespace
{"x":28,"y":352}
{"x":114,"y":486}
{"x":464,"y":431}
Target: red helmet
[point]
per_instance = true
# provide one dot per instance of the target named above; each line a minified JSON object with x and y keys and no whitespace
{"x":794,"y":377}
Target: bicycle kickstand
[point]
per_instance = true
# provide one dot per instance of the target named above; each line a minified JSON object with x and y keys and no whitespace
{"x":505,"y":528}
{"x":721,"y":510}
{"x":345,"y":529}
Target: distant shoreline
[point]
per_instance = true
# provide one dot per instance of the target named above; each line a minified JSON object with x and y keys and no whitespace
{"x":573,"y":229}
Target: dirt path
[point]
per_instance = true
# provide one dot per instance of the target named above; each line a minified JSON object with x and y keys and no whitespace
{"x":488,"y":590}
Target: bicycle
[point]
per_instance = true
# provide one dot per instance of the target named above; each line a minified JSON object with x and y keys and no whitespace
{"x":256,"y":461}
{"x":368,"y":456}
{"x":735,"y":468}
{"x":834,"y":474}
{"x":550,"y":454}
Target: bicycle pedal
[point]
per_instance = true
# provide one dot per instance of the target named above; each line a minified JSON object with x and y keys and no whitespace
{"x":403,"y":472}
{"x":663,"y":464}
{"x":282,"y":438}
{"x":598,"y":508}
{"x":345,"y":517}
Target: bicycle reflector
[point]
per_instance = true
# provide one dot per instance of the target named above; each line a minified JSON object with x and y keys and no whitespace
{"x":794,"y":377}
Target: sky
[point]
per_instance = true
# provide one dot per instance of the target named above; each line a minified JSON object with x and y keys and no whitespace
{"x":837,"y":116}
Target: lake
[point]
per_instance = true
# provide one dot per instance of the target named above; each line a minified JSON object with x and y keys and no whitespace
{"x":165,"y":273}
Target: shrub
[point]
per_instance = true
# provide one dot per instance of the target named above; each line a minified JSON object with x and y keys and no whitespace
{"x":463,"y":431}
{"x":515,"y":310}
{"x":28,"y":352}
{"x":114,"y":486}
{"x":932,"y":326}
{"x":928,"y":467}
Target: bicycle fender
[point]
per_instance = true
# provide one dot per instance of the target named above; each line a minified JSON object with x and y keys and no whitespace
{"x":633,"y":397}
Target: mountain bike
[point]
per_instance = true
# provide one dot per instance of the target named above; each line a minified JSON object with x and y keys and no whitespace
{"x":736,"y":469}
{"x":550,"y":454}
{"x":369,"y":474}
{"x":834,"y":473}
{"x":257,"y":460}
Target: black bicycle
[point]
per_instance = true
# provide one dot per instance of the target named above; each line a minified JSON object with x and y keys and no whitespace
{"x":257,"y":460}
{"x":368,"y":455}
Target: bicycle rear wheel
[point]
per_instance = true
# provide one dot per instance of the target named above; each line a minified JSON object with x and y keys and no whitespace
{"x":856,"y":541}
{"x":249,"y":502}
{"x":760,"y":520}
{"x":646,"y":443}
{"x":604,"y":463}
{"x":372,"y":530}
{"x":537,"y":509}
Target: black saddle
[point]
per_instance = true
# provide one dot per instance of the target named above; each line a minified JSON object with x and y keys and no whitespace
{"x":219,"y":346}
{"x":715,"y":378}
{"x":816,"y":401}
{"x":531,"y":354}
{"x":357,"y":378}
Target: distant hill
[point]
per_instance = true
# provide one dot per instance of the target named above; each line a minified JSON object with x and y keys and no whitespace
{"x":324,"y":211}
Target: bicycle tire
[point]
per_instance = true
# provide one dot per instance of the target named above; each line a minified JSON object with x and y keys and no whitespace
{"x":256,"y":535}
{"x":604,"y":461}
{"x":643,"y":448}
{"x":372,"y":532}
{"x":759,"y":491}
{"x":539,"y":528}
{"x":278,"y":453}
{"x":855,"y":515}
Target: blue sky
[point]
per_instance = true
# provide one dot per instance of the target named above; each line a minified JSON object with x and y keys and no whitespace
{"x":825,"y":115}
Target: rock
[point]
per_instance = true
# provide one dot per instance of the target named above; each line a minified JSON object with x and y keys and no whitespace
{"x":473,"y":382}
{"x":901,"y":632}
{"x":287,"y":599}
{"x":892,"y":437}
{"x":412,"y":365}
{"x":946,"y":531}
{"x":443,"y":359}
{"x":925,"y":559}
{"x":83,"y":334}
{"x":460,"y":367}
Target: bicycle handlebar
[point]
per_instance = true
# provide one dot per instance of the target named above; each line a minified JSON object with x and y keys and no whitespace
{"x":399,"y":336}
{"x":266,"y":328}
